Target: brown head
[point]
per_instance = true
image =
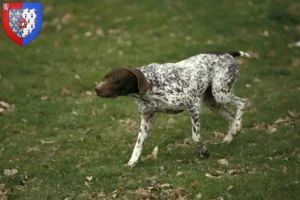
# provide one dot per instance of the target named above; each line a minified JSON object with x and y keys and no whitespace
{"x":121,"y":82}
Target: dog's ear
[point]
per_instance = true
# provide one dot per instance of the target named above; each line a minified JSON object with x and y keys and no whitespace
{"x":143,"y":84}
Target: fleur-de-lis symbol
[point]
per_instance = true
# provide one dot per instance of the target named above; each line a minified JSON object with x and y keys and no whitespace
{"x":5,"y":6}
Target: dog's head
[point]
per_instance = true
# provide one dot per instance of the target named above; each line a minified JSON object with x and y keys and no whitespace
{"x":121,"y":82}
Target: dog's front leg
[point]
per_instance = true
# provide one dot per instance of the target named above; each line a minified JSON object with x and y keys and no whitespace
{"x":146,"y":123}
{"x":195,"y":118}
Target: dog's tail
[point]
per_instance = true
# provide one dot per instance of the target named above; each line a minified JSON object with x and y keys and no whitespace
{"x":239,"y":53}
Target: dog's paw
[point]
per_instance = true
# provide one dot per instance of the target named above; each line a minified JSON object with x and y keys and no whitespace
{"x":131,"y":164}
{"x":235,"y":127}
{"x":204,"y":153}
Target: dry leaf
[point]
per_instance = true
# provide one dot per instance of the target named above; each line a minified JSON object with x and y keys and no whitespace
{"x":293,"y":114}
{"x":180,"y":193}
{"x":88,"y":93}
{"x":208,"y":175}
{"x":47,"y":142}
{"x":195,"y":185}
{"x":218,"y":135}
{"x":284,"y":170}
{"x":44,"y":98}
{"x":74,"y":113}
{"x":229,"y":188}
{"x":198,"y":196}
{"x":99,"y":32}
{"x":179,"y":173}
{"x":10,"y":172}
{"x":256,"y":80}
{"x":64,"y":91}
{"x":5,"y":107}
{"x":248,"y":85}
{"x":3,"y":192}
{"x":170,"y":121}
{"x":280,"y":121}
{"x":153,"y":154}
{"x":166,"y":186}
{"x":272,"y":129}
{"x":223,"y":162}
{"x":77,"y":76}
{"x":88,"y":34}
{"x":89,"y":178}
{"x":235,"y":171}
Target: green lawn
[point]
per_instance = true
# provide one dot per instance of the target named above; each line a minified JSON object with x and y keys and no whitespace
{"x":66,"y":143}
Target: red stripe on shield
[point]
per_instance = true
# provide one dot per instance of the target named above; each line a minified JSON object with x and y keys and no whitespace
{"x":5,"y":20}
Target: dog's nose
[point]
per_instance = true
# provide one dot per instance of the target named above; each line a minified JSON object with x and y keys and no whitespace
{"x":97,"y":90}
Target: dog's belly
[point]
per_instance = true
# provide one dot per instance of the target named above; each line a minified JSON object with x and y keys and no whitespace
{"x":161,"y":106}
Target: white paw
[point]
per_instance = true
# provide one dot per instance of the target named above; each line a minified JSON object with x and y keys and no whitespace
{"x":235,"y":127}
{"x":131,"y":163}
{"x":238,"y":126}
{"x":228,"y":138}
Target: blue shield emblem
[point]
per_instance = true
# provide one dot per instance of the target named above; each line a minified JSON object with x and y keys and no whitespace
{"x":22,"y":21}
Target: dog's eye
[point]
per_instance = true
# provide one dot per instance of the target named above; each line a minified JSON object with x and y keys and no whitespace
{"x":114,"y":78}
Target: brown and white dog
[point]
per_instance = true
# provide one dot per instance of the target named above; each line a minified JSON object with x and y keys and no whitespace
{"x":175,"y":87}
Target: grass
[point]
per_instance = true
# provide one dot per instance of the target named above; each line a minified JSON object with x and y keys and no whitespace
{"x":59,"y":134}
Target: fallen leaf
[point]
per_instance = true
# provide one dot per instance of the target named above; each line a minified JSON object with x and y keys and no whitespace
{"x":89,"y":178}
{"x":272,"y":129}
{"x":235,"y":171}
{"x":293,"y":114}
{"x":99,"y":32}
{"x":44,"y":98}
{"x":183,"y":143}
{"x":179,"y":173}
{"x":47,"y":142}
{"x":284,"y":170}
{"x":77,"y":76}
{"x":3,"y":192}
{"x":281,"y":121}
{"x":195,"y":185}
{"x":121,"y":189}
{"x":170,"y":121}
{"x":223,"y":162}
{"x":88,"y":34}
{"x":208,"y":175}
{"x":67,"y":18}
{"x":256,"y":80}
{"x":153,"y":154}
{"x":88,"y":93}
{"x":248,"y":85}
{"x":5,"y":107}
{"x":198,"y":196}
{"x":64,"y":91}
{"x":10,"y":172}
{"x":180,"y":193}
{"x":166,"y":186}
{"x":229,"y":188}
{"x":74,"y":113}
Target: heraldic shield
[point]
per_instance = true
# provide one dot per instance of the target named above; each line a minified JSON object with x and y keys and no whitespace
{"x":22,"y":21}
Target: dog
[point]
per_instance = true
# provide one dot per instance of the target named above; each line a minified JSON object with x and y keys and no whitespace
{"x":175,"y":87}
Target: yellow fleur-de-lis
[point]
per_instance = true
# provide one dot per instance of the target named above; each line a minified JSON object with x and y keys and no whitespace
{"x":14,"y":19}
{"x":10,"y":24}
{"x":14,"y":30}
{"x":10,"y":13}
{"x":18,"y":13}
